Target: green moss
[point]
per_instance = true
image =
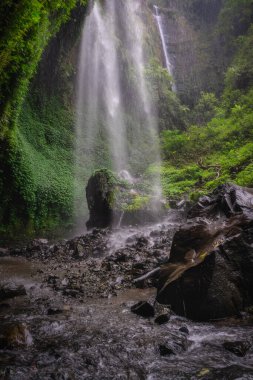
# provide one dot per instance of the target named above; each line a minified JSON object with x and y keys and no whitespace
{"x":36,"y":136}
{"x":139,"y":202}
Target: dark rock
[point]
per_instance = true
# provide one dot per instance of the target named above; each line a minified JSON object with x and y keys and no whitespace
{"x":162,"y":319}
{"x":54,"y":311}
{"x":227,"y":200}
{"x":4,"y":306}
{"x":144,"y":309}
{"x":239,"y":348}
{"x":184,"y":330}
{"x":100,"y":193}
{"x":11,"y":290}
{"x":209,"y":274}
{"x":165,"y":350}
{"x":232,"y":372}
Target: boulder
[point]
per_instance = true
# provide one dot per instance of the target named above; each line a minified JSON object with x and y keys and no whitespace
{"x":113,"y":200}
{"x":100,"y":194}
{"x":209,"y":274}
{"x":225,"y":201}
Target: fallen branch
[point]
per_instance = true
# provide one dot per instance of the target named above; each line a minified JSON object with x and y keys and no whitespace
{"x":217,"y":167}
{"x":147,"y":275}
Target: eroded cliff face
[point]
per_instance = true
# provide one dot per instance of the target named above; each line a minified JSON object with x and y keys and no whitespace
{"x":194,"y":47}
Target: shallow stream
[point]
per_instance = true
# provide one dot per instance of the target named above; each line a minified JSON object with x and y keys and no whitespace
{"x":100,"y":338}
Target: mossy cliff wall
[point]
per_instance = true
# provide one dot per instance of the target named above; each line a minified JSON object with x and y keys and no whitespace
{"x":36,"y":119}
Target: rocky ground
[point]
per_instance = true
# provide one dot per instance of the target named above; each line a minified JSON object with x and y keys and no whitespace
{"x":72,"y":310}
{"x":93,"y":265}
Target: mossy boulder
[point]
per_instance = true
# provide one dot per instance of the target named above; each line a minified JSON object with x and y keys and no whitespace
{"x":113,"y":201}
{"x":101,"y":196}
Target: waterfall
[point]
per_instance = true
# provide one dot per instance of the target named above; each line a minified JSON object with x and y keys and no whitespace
{"x":116,"y":123}
{"x":168,"y":64}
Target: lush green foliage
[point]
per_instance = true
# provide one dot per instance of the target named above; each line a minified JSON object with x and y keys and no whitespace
{"x":36,"y":144}
{"x":171,"y":113}
{"x":220,"y":150}
{"x":25,"y":29}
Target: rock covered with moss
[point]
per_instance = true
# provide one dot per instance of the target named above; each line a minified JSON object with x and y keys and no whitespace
{"x":101,"y":194}
{"x":114,"y":200}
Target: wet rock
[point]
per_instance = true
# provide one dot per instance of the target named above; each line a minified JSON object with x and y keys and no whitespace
{"x":144,"y":309}
{"x":239,"y":348}
{"x":80,"y":251}
{"x":54,"y":311}
{"x":11,"y":290}
{"x":100,"y":194}
{"x":165,"y":350}
{"x":4,"y":306}
{"x":209,"y":274}
{"x":16,"y":336}
{"x":184,"y":330}
{"x":162,"y":319}
{"x":40,"y":242}
{"x":227,"y":200}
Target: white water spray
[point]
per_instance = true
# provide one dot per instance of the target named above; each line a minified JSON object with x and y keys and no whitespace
{"x":168,"y":64}
{"x":116,"y":120}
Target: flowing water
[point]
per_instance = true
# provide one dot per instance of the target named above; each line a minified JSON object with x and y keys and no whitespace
{"x":96,"y":338}
{"x":161,"y":28}
{"x":116,"y":117}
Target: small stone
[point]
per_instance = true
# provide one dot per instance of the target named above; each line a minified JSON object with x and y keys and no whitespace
{"x":41,"y":241}
{"x":80,"y":250}
{"x":65,"y":282}
{"x":165,"y":351}
{"x":162,"y":319}
{"x":11,"y":290}
{"x":239,"y":348}
{"x":4,"y":306}
{"x":184,"y":330}
{"x":54,"y":311}
{"x":144,"y":309}
{"x":17,"y":335}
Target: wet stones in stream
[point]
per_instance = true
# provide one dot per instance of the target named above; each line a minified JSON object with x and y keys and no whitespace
{"x":11,"y":290}
{"x":239,"y":348}
{"x":14,"y":336}
{"x":144,"y":309}
{"x":162,"y":319}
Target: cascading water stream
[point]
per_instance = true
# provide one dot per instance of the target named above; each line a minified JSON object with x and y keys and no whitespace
{"x":168,"y":64}
{"x":116,"y":117}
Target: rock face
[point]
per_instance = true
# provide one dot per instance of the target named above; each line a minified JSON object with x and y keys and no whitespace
{"x":100,"y":194}
{"x":209,"y":274}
